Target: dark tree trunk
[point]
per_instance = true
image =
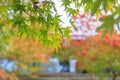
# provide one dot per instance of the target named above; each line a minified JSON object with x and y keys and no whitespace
{"x":114,"y":77}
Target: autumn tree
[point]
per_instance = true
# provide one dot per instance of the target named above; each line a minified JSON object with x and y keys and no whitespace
{"x":40,"y":19}
{"x":27,"y":54}
{"x":101,"y":57}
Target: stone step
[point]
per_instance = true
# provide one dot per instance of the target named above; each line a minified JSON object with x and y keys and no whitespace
{"x":66,"y":76}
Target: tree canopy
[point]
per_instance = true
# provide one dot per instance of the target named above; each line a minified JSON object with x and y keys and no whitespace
{"x":40,"y":19}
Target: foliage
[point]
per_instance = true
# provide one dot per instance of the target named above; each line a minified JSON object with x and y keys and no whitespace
{"x":4,"y":44}
{"x":40,"y":19}
{"x":64,"y":53}
{"x":102,"y":56}
{"x":97,"y":55}
{"x":27,"y":19}
{"x":27,"y":55}
{"x":6,"y":76}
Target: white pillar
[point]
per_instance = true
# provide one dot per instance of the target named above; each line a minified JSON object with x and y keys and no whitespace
{"x":72,"y":63}
{"x":54,"y":65}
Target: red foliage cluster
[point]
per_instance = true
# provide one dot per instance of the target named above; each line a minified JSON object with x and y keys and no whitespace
{"x":32,"y":47}
{"x":6,"y":76}
{"x":76,"y":43}
{"x":116,"y":41}
{"x":81,"y":54}
{"x":111,"y":40}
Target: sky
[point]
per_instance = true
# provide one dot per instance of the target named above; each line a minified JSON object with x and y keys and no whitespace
{"x":61,"y":11}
